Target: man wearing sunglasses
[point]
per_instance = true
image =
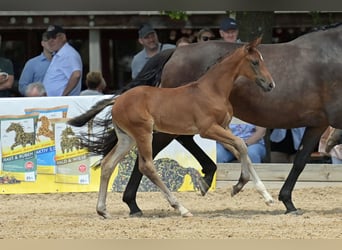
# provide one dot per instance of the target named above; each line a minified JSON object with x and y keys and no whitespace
{"x":205,"y":35}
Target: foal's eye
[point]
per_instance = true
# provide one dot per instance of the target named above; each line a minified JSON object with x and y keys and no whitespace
{"x":255,"y":62}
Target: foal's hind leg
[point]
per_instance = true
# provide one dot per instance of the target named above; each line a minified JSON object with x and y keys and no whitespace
{"x":109,"y":162}
{"x":147,"y":168}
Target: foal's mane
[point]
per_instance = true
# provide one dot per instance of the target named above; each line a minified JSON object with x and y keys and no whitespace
{"x":223,"y":56}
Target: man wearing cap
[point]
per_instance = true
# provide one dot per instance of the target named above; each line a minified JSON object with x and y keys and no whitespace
{"x":229,"y":30}
{"x":64,"y":75}
{"x":148,"y":38}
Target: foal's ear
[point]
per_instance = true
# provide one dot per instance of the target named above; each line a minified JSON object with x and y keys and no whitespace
{"x":253,"y":44}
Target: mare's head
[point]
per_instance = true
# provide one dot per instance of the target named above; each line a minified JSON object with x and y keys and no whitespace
{"x":253,"y":66}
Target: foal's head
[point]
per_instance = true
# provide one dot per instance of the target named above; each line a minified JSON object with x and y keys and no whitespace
{"x":253,"y":66}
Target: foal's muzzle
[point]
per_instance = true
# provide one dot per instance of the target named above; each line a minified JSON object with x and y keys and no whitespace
{"x":266,"y":85}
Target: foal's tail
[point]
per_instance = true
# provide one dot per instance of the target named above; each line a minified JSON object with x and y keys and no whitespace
{"x":81,"y":120}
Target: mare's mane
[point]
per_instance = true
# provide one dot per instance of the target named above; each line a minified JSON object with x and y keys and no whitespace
{"x":150,"y":73}
{"x":316,"y":30}
{"x":325,"y":27}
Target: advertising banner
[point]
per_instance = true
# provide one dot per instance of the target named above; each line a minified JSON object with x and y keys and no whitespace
{"x":41,"y":153}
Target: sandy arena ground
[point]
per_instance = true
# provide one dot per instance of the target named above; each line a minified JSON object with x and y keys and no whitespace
{"x":216,"y":216}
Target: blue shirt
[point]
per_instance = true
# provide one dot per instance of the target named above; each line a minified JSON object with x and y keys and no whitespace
{"x":140,"y":59}
{"x":34,"y":71}
{"x":279,"y":134}
{"x":244,"y":131}
{"x":63,"y":64}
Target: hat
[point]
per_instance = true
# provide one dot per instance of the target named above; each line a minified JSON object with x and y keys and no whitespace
{"x":53,"y":30}
{"x":228,"y":24}
{"x":145,"y":30}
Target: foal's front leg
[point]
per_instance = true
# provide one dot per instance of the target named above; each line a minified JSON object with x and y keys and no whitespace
{"x":237,"y":146}
{"x":241,"y":147}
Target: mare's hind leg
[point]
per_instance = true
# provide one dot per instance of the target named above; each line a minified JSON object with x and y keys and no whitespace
{"x":208,"y":166}
{"x":147,"y":168}
{"x":109,"y":162}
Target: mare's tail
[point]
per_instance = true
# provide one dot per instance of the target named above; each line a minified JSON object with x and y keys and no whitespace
{"x":100,"y":142}
{"x":150,"y":73}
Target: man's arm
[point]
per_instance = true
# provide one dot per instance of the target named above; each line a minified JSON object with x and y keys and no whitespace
{"x":73,"y":81}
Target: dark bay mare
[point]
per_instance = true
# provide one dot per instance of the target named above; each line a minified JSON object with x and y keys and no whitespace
{"x":203,"y":107}
{"x":308,"y":74}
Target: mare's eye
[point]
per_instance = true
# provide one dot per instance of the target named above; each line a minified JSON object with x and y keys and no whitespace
{"x":255,"y":62}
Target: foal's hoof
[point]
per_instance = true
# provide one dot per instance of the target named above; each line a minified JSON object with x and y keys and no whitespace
{"x":235,"y":190}
{"x":203,"y":186}
{"x":295,"y":212}
{"x":187,"y":214}
{"x":269,"y":202}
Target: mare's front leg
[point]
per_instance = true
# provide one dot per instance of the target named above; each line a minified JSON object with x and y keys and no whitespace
{"x":310,"y":140}
{"x":208,"y":166}
{"x":109,"y":162}
{"x":159,"y":142}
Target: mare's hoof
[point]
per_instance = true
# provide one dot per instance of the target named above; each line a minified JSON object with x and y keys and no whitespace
{"x":295,"y":212}
{"x":104,"y":214}
{"x":136,"y":214}
{"x":203,"y":186}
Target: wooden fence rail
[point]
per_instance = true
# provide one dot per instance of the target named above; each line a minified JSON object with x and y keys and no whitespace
{"x":276,"y":173}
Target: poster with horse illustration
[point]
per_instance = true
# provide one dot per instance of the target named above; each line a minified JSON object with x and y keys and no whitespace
{"x":72,"y":159}
{"x":18,"y":152}
{"x":45,"y":136}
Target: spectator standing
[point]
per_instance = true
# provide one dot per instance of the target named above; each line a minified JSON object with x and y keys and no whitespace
{"x":36,"y":67}
{"x":229,"y":30}
{"x":148,"y":38}
{"x":6,"y":76}
{"x":64,"y":75}
{"x":205,"y":34}
{"x":95,"y":84}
